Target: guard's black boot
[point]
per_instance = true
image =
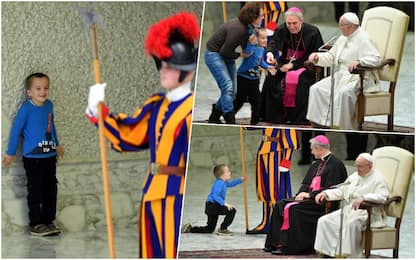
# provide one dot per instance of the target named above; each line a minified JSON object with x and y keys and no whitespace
{"x":256,"y":231}
{"x":229,"y":118}
{"x":215,"y":115}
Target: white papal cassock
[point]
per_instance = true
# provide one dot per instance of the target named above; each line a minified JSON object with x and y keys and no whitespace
{"x":372,"y":187}
{"x":357,"y":46}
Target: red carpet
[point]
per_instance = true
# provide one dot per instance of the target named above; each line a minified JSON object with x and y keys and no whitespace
{"x":237,"y":253}
{"x":244,"y":253}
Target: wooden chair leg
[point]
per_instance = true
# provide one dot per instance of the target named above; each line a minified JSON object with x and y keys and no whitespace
{"x":395,"y":253}
{"x":397,"y":239}
{"x":367,"y":242}
{"x":390,"y":123}
{"x":392,"y":88}
{"x":360,"y":110}
{"x":367,"y":252}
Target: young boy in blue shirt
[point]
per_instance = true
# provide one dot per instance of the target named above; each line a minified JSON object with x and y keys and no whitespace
{"x":35,"y":122}
{"x":248,"y":76}
{"x":216,"y":205}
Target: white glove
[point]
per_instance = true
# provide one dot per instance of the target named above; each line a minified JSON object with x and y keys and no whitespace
{"x":95,"y":96}
{"x":270,"y":58}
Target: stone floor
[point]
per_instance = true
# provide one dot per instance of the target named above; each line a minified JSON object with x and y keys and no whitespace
{"x":91,"y":244}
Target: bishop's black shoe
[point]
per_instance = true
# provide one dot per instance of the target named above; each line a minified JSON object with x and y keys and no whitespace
{"x":269,"y":249}
{"x":279,"y":251}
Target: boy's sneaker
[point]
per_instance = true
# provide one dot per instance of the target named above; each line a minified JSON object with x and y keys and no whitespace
{"x":40,"y":230}
{"x":54,"y":229}
{"x":224,"y":232}
{"x":186,"y":228}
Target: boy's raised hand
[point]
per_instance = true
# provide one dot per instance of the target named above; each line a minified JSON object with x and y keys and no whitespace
{"x":8,"y":160}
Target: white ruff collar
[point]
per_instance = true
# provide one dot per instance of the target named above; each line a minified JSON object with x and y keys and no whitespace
{"x":179,"y":92}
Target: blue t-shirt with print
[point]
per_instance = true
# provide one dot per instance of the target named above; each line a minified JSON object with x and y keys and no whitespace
{"x":219,"y":190}
{"x":36,"y":125}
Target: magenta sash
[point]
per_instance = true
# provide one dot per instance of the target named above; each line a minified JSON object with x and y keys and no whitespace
{"x":286,"y":225}
{"x":316,"y":183}
{"x":292,"y":78}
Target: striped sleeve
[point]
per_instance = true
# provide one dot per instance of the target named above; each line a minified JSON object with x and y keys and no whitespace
{"x":127,"y":133}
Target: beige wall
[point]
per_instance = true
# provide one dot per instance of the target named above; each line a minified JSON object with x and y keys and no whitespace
{"x":48,"y":37}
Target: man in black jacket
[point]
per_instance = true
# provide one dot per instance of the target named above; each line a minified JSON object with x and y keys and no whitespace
{"x":293,"y":222}
{"x":285,"y":95}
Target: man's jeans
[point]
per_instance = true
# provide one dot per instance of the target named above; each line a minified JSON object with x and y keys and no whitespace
{"x":224,"y":72}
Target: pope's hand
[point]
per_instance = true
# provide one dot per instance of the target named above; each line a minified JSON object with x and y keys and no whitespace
{"x":95,"y":96}
{"x":321,"y":197}
{"x":356,"y":203}
{"x":313,"y":57}
{"x":353,"y":65}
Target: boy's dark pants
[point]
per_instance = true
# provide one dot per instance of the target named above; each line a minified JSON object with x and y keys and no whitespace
{"x":42,"y":189}
{"x":213,"y":210}
{"x":248,"y":88}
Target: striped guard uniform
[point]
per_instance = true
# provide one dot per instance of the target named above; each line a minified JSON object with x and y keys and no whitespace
{"x":272,"y":11}
{"x":163,"y":127}
{"x":273,"y":185}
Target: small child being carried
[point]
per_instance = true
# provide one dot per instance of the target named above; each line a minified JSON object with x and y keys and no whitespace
{"x":248,"y":75}
{"x":216,"y":205}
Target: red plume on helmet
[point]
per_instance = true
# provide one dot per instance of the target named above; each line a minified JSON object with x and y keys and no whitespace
{"x":159,"y":37}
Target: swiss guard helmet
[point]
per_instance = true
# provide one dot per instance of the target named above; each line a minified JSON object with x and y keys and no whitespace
{"x":175,"y":41}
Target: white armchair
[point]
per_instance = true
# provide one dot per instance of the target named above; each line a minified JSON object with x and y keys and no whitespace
{"x":397,"y":166}
{"x":387,"y":27}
